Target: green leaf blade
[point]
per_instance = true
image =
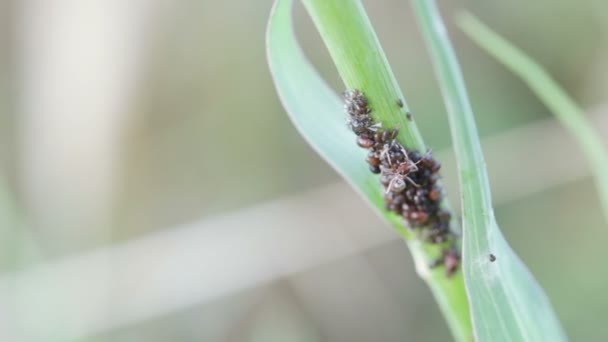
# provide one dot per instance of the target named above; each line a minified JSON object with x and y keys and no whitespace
{"x":507,"y":303}
{"x":312,"y":105}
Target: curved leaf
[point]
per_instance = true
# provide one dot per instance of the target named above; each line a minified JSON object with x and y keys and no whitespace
{"x":506,"y":301}
{"x":570,"y":114}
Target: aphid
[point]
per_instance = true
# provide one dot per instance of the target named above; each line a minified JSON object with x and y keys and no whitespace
{"x":408,"y":177}
{"x":451,"y":260}
{"x":410,"y":193}
{"x":420,"y":217}
{"x":435,"y":194}
{"x":492,"y":258}
{"x":356,"y":111}
{"x":430,"y":162}
{"x":357,"y":126}
{"x":389,"y":150}
{"x":420,"y":199}
{"x":414,"y":156}
{"x":386,"y":136}
{"x":375,"y":127}
{"x":373,"y":159}
{"x":364,"y":141}
{"x":355,"y":103}
{"x":395,"y":202}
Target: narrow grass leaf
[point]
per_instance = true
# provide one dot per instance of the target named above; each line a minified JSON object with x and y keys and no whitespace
{"x":507,"y":303}
{"x":552,"y":95}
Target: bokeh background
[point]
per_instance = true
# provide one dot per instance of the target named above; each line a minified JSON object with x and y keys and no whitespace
{"x":153,"y":189}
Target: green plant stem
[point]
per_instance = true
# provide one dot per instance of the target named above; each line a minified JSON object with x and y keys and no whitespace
{"x":552,"y":95}
{"x":362,"y":64}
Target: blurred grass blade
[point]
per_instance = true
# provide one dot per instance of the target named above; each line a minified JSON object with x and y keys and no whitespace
{"x":8,"y":228}
{"x":506,"y":301}
{"x":317,"y":113}
{"x":19,"y":246}
{"x":552,"y":95}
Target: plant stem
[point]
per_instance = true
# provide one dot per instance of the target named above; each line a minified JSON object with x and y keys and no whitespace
{"x":362,"y":64}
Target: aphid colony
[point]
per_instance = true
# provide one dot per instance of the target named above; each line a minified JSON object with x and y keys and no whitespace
{"x":409,"y":178}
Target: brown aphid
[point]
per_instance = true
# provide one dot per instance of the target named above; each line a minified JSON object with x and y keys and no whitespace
{"x":386,"y":136}
{"x":430,"y":162}
{"x":451,"y":260}
{"x":358,"y":126}
{"x":409,"y":178}
{"x":374,"y":169}
{"x":410,"y":193}
{"x":365,"y":142}
{"x":420,"y":217}
{"x":435,"y":194}
{"x":355,"y":96}
{"x":378,"y":138}
{"x":394,"y":207}
{"x":372,"y":159}
{"x":435,"y":166}
{"x":389,"y":134}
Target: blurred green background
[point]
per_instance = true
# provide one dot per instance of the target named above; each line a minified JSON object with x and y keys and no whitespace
{"x":121,"y":120}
